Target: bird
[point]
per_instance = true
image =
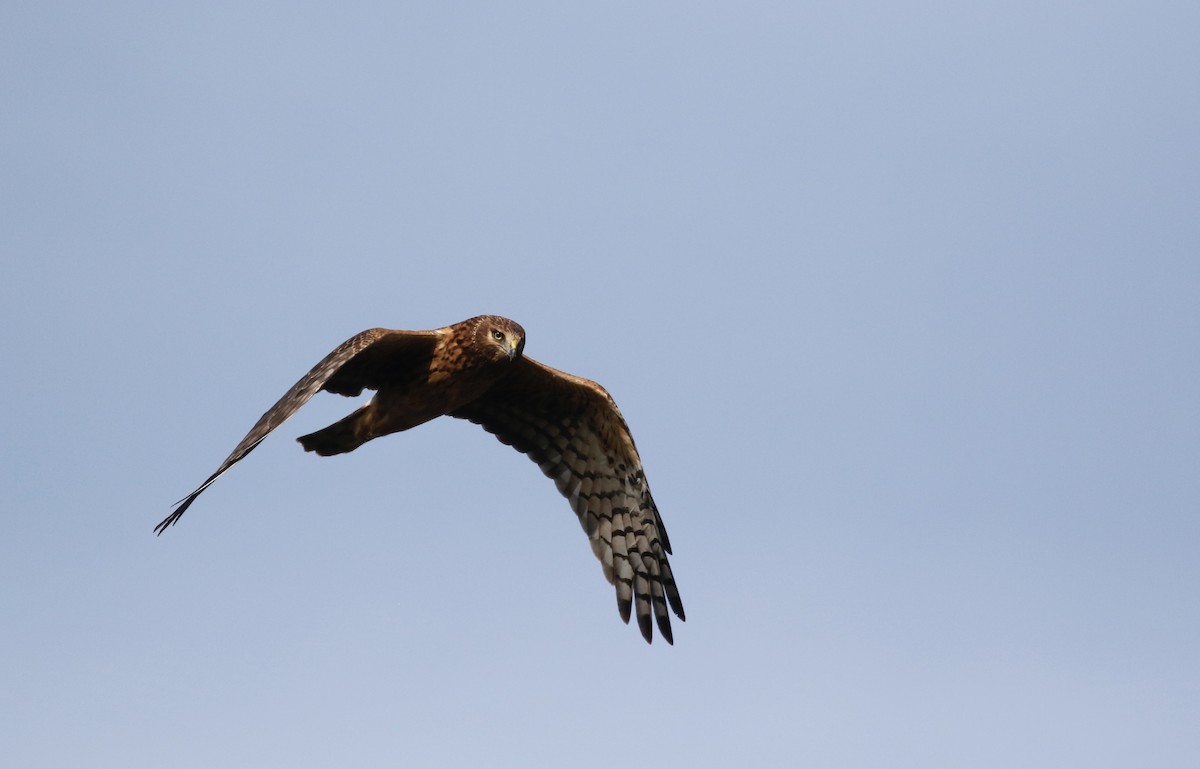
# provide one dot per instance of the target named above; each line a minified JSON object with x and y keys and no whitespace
{"x":476,"y":370}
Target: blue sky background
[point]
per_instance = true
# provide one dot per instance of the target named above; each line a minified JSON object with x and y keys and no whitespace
{"x":902,"y":303}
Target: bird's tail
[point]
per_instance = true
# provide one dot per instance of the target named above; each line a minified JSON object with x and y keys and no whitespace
{"x":344,"y":435}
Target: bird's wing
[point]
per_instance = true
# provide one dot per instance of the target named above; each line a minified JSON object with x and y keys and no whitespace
{"x":366,"y":360}
{"x":572,"y":429}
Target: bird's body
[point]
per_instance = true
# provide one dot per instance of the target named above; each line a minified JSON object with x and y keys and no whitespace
{"x":417,"y":377}
{"x":475,"y":370}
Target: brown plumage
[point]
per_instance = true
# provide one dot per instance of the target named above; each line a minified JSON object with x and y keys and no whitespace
{"x":475,"y":370}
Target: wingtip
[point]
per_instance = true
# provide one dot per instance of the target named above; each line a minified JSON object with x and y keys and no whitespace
{"x":647,"y":627}
{"x":180,"y":508}
{"x":165,"y":524}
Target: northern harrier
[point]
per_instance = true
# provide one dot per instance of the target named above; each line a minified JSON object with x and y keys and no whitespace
{"x":474,"y":370}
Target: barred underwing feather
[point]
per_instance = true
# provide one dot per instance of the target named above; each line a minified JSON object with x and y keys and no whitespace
{"x":573,"y":430}
{"x":568,"y":425}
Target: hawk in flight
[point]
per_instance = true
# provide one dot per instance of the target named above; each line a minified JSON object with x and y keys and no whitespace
{"x":475,"y":370}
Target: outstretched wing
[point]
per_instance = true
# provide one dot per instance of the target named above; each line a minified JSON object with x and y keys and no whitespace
{"x":571,"y":427}
{"x":365,"y":360}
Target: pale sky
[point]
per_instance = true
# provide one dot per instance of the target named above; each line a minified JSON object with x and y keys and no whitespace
{"x":901,"y":302}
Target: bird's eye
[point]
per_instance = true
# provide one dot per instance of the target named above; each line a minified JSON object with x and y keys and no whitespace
{"x":498,"y":335}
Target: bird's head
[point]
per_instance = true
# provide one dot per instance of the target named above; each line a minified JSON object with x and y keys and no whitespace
{"x":502,"y":338}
